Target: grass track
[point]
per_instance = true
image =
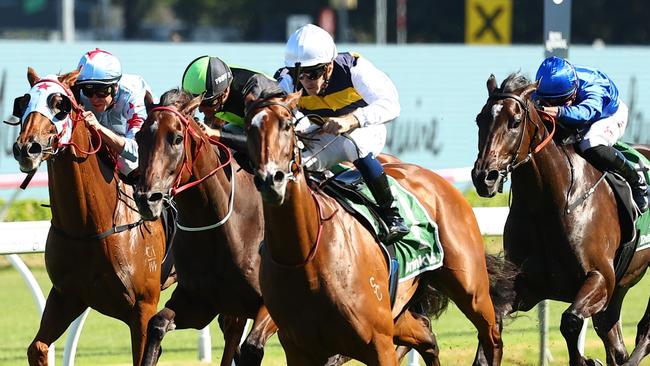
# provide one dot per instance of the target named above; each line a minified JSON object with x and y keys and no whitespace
{"x":105,"y":341}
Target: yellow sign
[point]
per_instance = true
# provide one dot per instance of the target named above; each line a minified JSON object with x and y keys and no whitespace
{"x":488,"y":21}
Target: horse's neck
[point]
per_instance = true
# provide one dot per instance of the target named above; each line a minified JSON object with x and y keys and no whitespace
{"x":215,"y":191}
{"x":80,"y":194}
{"x":549,"y":178}
{"x":292,"y":228}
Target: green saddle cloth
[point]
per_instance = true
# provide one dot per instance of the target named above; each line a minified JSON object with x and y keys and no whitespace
{"x":642,"y":223}
{"x":420,"y":250}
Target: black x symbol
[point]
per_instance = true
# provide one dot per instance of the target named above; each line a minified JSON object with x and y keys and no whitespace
{"x":489,"y":22}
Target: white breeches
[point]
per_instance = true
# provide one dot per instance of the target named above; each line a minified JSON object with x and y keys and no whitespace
{"x":607,"y":130}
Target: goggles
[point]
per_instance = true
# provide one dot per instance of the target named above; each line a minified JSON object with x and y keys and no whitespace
{"x":101,"y":91}
{"x":312,"y":73}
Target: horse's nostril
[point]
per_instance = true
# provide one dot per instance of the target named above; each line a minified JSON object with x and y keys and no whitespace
{"x":16,"y":150}
{"x":278,"y":176}
{"x":35,"y":149}
{"x":155,"y":197}
{"x":492,"y":176}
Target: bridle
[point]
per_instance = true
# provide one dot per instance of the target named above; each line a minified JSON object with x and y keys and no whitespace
{"x":191,"y":131}
{"x":524,"y":104}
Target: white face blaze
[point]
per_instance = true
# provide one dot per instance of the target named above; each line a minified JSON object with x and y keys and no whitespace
{"x":496,"y":109}
{"x":258,"y":119}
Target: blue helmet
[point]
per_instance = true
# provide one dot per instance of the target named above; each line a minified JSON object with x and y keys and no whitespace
{"x":557,"y":78}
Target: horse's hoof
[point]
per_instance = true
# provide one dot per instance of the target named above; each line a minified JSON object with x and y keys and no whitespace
{"x":595,"y":362}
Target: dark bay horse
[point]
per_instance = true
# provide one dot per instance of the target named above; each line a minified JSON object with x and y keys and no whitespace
{"x":563,"y":243}
{"x":89,"y":262}
{"x":323,"y":276}
{"x":220,"y":227}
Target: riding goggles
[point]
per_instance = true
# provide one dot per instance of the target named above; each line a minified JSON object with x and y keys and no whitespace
{"x":312,"y":73}
{"x":101,"y":91}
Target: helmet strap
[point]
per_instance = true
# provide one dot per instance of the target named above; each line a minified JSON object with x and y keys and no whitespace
{"x":296,"y":76}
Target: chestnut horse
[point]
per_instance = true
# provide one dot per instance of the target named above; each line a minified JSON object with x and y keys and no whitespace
{"x":99,"y":253}
{"x":220,"y":227}
{"x":324,"y":277}
{"x":563,"y":254}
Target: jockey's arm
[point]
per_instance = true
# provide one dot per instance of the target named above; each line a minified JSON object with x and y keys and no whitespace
{"x":114,"y":141}
{"x":376,"y":88}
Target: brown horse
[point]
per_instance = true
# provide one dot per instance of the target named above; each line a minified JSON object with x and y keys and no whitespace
{"x":323,"y":276}
{"x":99,"y":253}
{"x":563,"y":239}
{"x":220,"y":227}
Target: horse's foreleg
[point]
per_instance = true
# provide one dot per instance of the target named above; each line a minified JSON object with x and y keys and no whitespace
{"x":141,"y":315}
{"x":252,"y":351}
{"x":414,"y":330}
{"x":642,"y":346}
{"x":591,"y":298}
{"x":232,"y":328}
{"x":608,"y":327}
{"x":59,"y":312}
{"x":182,"y":311}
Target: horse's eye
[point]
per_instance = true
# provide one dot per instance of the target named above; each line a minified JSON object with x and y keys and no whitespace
{"x":516,"y":121}
{"x":175,"y":138}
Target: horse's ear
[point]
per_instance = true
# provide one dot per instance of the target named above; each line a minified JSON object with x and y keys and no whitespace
{"x":529,"y":90}
{"x":32,"y":77}
{"x":189,"y":107}
{"x":491,"y":84}
{"x":148,"y":101}
{"x":70,"y":78}
{"x":292,"y":99}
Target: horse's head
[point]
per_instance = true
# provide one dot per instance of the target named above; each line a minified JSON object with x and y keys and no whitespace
{"x":505,"y":132}
{"x":45,"y":118}
{"x":163,"y":143}
{"x":272,"y":145}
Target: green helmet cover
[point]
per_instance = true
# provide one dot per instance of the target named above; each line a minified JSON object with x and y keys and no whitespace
{"x":208,"y":75}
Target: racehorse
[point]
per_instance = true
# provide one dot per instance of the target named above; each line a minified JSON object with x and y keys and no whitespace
{"x":563,"y":230}
{"x":99,"y":253}
{"x":323,"y":276}
{"x":220,"y":227}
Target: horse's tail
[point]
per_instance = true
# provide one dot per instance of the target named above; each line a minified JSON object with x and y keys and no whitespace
{"x":502,"y":275}
{"x":430,"y":301}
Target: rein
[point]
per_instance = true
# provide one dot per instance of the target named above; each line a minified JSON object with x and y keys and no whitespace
{"x":111,"y":231}
{"x":190,"y":131}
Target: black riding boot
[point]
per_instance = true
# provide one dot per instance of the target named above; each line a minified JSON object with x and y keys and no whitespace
{"x":384,"y":197}
{"x":607,"y":158}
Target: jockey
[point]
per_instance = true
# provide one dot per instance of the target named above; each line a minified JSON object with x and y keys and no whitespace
{"x":224,"y":91}
{"x":115,"y":106}
{"x":356,"y":99}
{"x":585,"y":98}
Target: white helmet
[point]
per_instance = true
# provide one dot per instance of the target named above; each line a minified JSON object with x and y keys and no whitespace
{"x":99,"y":67}
{"x":310,"y":45}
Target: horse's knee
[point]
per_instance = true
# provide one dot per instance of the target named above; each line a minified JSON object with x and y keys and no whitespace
{"x":571,"y":324}
{"x":37,"y":353}
{"x":158,"y":326}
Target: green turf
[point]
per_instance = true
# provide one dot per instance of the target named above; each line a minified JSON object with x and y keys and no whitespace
{"x":105,"y":341}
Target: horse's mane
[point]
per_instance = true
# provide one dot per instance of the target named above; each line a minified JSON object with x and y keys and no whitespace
{"x":514,"y":81}
{"x":176,"y":96}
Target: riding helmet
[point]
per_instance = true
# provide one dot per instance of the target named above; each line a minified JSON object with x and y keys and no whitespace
{"x":99,"y":67}
{"x":310,"y":45}
{"x":557,"y":78}
{"x":207,"y":74}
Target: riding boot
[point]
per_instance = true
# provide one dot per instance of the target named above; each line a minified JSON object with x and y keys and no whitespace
{"x":377,"y":181}
{"x":607,"y":158}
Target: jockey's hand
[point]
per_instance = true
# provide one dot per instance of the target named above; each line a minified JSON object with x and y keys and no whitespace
{"x":211,"y":132}
{"x":91,"y":120}
{"x":339,"y":125}
{"x":551,"y":111}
